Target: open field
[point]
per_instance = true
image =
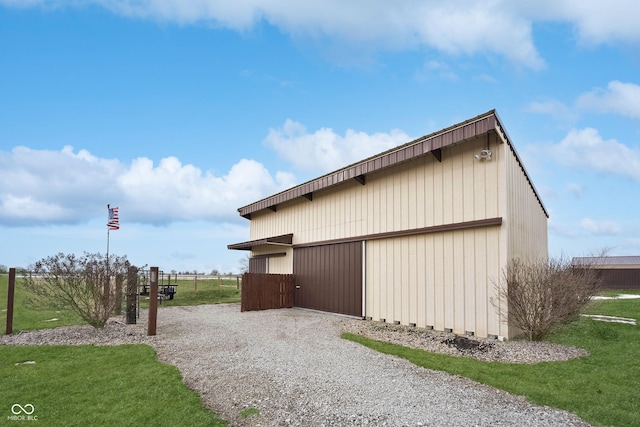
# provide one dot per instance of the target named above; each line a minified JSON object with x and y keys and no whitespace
{"x":601,"y":388}
{"x":190,"y":292}
{"x":26,"y":316}
{"x":200,"y":291}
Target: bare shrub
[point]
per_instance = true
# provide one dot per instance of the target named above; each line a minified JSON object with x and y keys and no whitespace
{"x":81,"y":284}
{"x":544,"y":294}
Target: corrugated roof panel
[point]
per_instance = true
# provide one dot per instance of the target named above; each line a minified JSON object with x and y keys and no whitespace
{"x":283,"y":240}
{"x":469,"y":131}
{"x":437,"y":142}
{"x":426,"y":146}
{"x":457,"y":134}
{"x":607,"y":260}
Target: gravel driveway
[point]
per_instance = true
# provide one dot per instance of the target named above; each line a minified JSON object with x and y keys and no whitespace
{"x":293,"y":367}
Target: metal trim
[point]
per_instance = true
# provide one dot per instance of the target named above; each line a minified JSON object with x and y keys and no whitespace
{"x":410,"y":232}
{"x":283,"y":240}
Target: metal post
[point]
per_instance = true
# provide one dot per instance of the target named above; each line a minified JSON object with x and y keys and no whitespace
{"x":153,"y":301}
{"x":118,"y":305}
{"x":132,"y":293}
{"x":10,"y":296}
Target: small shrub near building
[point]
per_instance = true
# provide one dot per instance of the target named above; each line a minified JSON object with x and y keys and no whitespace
{"x":83,"y":284}
{"x":544,"y":294}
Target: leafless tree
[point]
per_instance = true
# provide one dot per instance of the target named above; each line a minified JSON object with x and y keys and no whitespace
{"x":82,"y":284}
{"x":544,"y":294}
{"x":244,"y":264}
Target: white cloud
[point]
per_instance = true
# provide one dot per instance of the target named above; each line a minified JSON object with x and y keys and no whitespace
{"x":600,"y":228}
{"x":553,"y":108}
{"x":43,"y":186}
{"x":562,"y":230}
{"x":464,"y":27}
{"x":619,"y":98}
{"x":585,"y":148}
{"x":576,"y":189}
{"x":437,"y":68}
{"x":324,"y":150}
{"x":594,"y":22}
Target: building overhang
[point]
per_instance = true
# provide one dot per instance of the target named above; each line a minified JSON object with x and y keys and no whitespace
{"x":284,"y":240}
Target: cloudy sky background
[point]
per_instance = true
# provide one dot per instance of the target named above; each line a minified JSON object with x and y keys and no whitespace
{"x":181,"y":112}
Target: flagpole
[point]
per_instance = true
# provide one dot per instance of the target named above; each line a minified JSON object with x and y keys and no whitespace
{"x":112,"y":223}
{"x":108,"y":234}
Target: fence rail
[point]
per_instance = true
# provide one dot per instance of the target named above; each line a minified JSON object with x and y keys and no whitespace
{"x":266,"y":291}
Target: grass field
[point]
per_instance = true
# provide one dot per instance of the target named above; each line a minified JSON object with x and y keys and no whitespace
{"x":602,"y":388}
{"x":99,"y":386}
{"x":202,"y":291}
{"x":27,"y":316}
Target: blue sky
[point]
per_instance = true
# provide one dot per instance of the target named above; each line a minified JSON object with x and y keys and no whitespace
{"x":180,"y":112}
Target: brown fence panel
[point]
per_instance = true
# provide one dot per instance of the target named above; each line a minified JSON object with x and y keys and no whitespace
{"x":266,"y":291}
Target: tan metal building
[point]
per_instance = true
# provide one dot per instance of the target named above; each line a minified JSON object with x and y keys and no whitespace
{"x":417,"y":235}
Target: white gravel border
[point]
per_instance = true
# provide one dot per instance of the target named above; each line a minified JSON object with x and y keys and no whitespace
{"x":293,"y":367}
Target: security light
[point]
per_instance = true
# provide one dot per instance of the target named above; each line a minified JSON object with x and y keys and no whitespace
{"x":483,"y":155}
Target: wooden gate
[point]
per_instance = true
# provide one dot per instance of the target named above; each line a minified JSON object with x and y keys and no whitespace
{"x":266,"y":291}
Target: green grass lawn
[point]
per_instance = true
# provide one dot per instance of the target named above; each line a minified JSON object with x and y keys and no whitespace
{"x":207,"y":292}
{"x":602,"y":388}
{"x":97,"y":386}
{"x":28,"y":317}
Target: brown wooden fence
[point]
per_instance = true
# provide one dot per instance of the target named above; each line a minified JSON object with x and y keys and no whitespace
{"x":266,"y":291}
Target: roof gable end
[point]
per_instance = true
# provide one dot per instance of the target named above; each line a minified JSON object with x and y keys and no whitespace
{"x":432,"y":143}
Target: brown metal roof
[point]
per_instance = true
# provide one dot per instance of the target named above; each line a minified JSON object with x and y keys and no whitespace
{"x":606,"y":260}
{"x":284,"y":240}
{"x":432,"y":143}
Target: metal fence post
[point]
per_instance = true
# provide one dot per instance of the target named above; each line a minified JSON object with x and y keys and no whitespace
{"x":153,"y":301}
{"x":132,"y":293}
{"x":118,"y":305}
{"x":10,"y":296}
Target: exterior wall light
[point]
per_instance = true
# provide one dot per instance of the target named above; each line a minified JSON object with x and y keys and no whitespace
{"x":483,"y":155}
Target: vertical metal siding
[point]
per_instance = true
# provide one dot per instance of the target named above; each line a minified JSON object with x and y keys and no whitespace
{"x":525,"y":218}
{"x":442,"y":280}
{"x":258,"y":265}
{"x":620,"y":278}
{"x":329,"y":278}
{"x":275,"y":265}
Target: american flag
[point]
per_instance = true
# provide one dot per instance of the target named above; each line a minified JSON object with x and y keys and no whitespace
{"x":114,"y":221}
